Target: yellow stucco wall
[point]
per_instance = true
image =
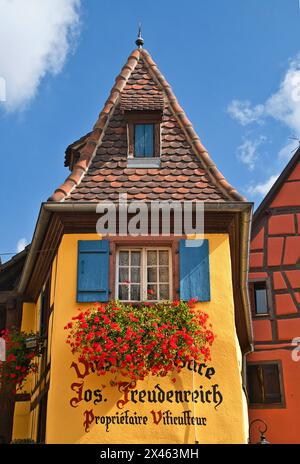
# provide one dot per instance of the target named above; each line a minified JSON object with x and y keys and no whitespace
{"x":226,"y":423}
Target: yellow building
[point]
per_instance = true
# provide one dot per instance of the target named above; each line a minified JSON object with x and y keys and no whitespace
{"x":142,"y":146}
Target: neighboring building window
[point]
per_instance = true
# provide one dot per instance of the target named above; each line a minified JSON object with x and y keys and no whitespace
{"x":143,"y":274}
{"x":259,"y":298}
{"x":265,"y":384}
{"x":143,"y":140}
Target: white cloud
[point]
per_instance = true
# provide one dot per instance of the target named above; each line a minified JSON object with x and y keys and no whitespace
{"x":247,"y":151}
{"x":283,"y":105}
{"x":244,"y":112}
{"x":288,"y":150}
{"x":263,"y":188}
{"x":21,"y":245}
{"x":35,"y":38}
{"x":2,"y":89}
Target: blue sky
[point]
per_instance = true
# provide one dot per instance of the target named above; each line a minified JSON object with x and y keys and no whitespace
{"x":234,"y":66}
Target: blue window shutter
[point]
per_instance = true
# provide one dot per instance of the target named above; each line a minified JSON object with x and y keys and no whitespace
{"x":149,"y":140}
{"x":139,"y":140}
{"x":194,"y":271}
{"x":93,"y":270}
{"x":143,"y":140}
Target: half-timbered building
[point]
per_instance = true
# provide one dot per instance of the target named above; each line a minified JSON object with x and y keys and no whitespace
{"x":274,"y":285}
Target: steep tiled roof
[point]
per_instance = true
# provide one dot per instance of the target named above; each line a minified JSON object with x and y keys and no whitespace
{"x":99,"y":167}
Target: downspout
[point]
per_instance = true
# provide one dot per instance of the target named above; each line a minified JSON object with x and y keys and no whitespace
{"x":246,"y":238}
{"x":245,"y":242}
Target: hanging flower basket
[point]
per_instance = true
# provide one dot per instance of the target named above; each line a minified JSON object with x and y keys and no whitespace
{"x":142,"y":339}
{"x":20,"y":352}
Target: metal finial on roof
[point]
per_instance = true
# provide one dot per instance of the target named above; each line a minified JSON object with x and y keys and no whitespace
{"x":140,"y":41}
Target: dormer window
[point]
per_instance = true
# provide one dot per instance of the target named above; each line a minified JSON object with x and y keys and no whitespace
{"x":144,"y":139}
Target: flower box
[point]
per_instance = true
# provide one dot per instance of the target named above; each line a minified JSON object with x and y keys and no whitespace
{"x":141,"y":339}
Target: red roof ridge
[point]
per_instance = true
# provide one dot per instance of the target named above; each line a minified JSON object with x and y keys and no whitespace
{"x":88,"y":151}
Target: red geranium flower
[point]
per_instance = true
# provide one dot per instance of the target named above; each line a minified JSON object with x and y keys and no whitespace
{"x":143,"y":339}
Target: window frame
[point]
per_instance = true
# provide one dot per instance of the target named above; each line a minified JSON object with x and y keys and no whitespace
{"x":143,"y":266}
{"x":252,"y":296}
{"x":143,"y":117}
{"x":282,"y":403}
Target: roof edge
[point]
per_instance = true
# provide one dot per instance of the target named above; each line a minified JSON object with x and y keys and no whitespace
{"x":14,"y":259}
{"x":275,"y":188}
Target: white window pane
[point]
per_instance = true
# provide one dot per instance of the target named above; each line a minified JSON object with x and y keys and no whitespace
{"x":135,"y":274}
{"x":135,"y":292}
{"x":163,"y":274}
{"x":152,"y":274}
{"x":139,"y":278}
{"x":151,"y":258}
{"x":124,"y":258}
{"x":124,"y":274}
{"x":151,"y":292}
{"x":164,"y":292}
{"x":164,"y":257}
{"x":135,"y":258}
{"x":123,"y":292}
